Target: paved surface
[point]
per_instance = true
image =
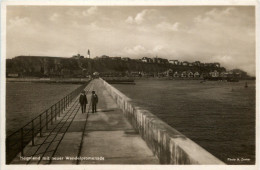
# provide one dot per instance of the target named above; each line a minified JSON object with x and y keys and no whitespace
{"x":105,"y":137}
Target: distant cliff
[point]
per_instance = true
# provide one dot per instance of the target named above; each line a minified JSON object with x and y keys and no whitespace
{"x":35,"y":66}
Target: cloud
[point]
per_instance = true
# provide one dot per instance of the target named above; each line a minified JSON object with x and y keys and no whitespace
{"x":158,"y":48}
{"x":92,"y":26}
{"x":139,"y":50}
{"x":18,"y":22}
{"x":200,"y":19}
{"x":82,"y":13}
{"x":140,"y":17}
{"x":217,"y":12}
{"x":215,"y":15}
{"x":90,"y":11}
{"x":222,"y":28}
{"x":221,"y":58}
{"x":135,"y":50}
{"x":129,"y":20}
{"x":54,"y":17}
{"x":166,"y":26}
{"x":73,"y":12}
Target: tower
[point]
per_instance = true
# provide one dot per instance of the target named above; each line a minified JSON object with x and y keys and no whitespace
{"x":88,"y":53}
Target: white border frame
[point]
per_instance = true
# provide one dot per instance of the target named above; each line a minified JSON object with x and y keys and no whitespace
{"x":5,"y":3}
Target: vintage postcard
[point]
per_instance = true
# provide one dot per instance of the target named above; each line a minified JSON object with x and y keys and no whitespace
{"x":133,"y":85}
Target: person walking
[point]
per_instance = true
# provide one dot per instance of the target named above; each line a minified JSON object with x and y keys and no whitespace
{"x":94,"y":101}
{"x":83,"y":101}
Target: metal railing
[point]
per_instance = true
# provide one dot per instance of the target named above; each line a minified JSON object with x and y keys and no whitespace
{"x":17,"y":141}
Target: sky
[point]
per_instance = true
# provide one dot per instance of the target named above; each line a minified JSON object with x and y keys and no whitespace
{"x":224,"y":34}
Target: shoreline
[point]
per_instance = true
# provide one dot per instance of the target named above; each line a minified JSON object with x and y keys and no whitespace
{"x":49,"y":80}
{"x":110,"y":80}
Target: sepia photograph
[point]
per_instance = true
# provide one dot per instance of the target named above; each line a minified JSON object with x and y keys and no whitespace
{"x":129,"y":84}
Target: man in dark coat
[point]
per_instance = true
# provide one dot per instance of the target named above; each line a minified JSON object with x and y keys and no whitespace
{"x":83,"y":101}
{"x":94,"y":101}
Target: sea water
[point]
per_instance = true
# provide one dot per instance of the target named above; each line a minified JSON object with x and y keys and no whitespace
{"x":25,"y":100}
{"x":217,"y":115}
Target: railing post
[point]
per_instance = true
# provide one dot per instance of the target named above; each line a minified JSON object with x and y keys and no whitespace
{"x":40,"y":125}
{"x":59,"y":109}
{"x":32,"y":133}
{"x":46,"y":113}
{"x":63,"y":104}
{"x":66,"y":101}
{"x":51,"y":116}
{"x":55,"y":111}
{"x":22,"y":142}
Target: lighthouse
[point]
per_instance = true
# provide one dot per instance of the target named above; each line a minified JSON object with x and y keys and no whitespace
{"x":88,"y":53}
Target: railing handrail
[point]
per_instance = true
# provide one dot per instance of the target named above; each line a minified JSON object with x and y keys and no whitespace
{"x":18,"y":131}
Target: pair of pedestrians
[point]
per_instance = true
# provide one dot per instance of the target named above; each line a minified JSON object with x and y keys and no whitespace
{"x":84,"y":101}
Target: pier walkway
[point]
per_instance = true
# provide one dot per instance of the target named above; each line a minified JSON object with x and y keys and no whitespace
{"x":105,"y":137}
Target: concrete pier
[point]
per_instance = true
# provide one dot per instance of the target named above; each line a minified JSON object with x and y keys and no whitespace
{"x":169,"y":145}
{"x":105,"y":137}
{"x":119,"y":133}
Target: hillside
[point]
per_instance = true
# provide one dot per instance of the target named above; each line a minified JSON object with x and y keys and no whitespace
{"x":32,"y":66}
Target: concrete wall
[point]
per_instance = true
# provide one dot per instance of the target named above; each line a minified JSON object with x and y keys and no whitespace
{"x":170,"y":146}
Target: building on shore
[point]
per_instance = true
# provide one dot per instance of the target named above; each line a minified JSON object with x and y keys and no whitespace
{"x":223,"y":74}
{"x":12,"y":75}
{"x":176,"y":74}
{"x":115,"y":58}
{"x":196,"y":63}
{"x":147,"y":60}
{"x":126,"y":59}
{"x":216,"y":65}
{"x":196,"y":74}
{"x":190,"y":64}
{"x":214,"y":73}
{"x":184,"y":74}
{"x":233,"y":74}
{"x":138,"y":60}
{"x":185,"y":63}
{"x":190,"y":74}
{"x":78,"y":56}
{"x":160,"y":60}
{"x":174,"y":62}
{"x":104,"y":56}
{"x":135,"y":74}
{"x":169,"y":73}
